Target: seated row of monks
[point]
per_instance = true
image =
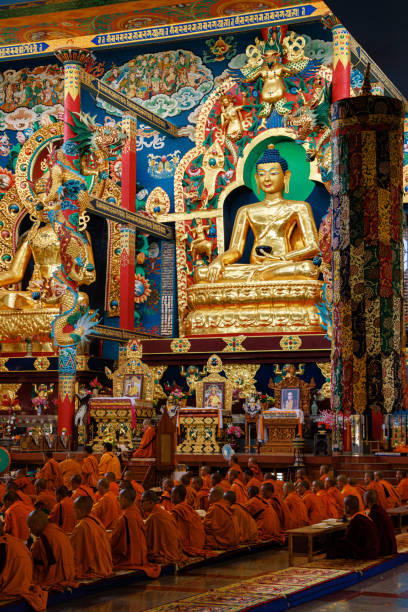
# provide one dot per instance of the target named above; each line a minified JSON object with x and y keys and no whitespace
{"x":81,"y":533}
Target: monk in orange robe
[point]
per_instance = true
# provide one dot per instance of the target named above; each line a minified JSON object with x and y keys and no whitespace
{"x":113,"y":485}
{"x":188,"y":523}
{"x":221,"y":529}
{"x":277,"y":484}
{"x":371,"y":484}
{"x":139,"y":489}
{"x":265,"y":516}
{"x":238,"y":487}
{"x":63,"y":514}
{"x":128,"y":540}
{"x":15,"y":516}
{"x":234,"y":465}
{"x":109,"y":462}
{"x":391,"y":499}
{"x":320,"y":491}
{"x":24,"y":483}
{"x":16,"y":573}
{"x":300,"y":476}
{"x":50,"y":472}
{"x":218,"y":481}
{"x":250,"y":480}
{"x":106,"y":509}
{"x":279,"y":505}
{"x":256,"y":470}
{"x":92,"y":550}
{"x":53,"y":555}
{"x":165,"y":499}
{"x":26,"y":499}
{"x":45,"y":498}
{"x":346,"y":489}
{"x":296,"y":506}
{"x":402,"y":486}
{"x":192,"y":496}
{"x":247,"y":527}
{"x":79,"y":489}
{"x":205,"y":474}
{"x":335,"y":498}
{"x":162,"y":536}
{"x":90,"y":468}
{"x":314,"y":506}
{"x":324,"y":473}
{"x":69,"y":467}
{"x":202,"y":494}
{"x":147,"y":443}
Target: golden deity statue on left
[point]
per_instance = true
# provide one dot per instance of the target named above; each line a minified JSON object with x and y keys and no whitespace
{"x":42,"y":244}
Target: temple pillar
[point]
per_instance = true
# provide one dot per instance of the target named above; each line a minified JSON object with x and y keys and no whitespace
{"x":73,"y":60}
{"x":128,"y":234}
{"x":367,"y":257}
{"x":341,"y":57}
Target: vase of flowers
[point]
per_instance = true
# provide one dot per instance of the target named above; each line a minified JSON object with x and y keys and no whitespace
{"x":234,"y":434}
{"x":176,"y":396}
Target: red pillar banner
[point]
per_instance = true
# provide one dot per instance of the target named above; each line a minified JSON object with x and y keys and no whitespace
{"x":128,"y":235}
{"x":341,"y":58}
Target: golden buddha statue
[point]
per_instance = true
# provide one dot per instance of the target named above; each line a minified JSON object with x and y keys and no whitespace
{"x":43,"y":245}
{"x":285,"y":235}
{"x":278,"y":289}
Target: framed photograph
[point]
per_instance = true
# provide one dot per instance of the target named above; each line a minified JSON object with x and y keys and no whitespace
{"x":133,"y":386}
{"x":214,"y":395}
{"x":290,"y":398}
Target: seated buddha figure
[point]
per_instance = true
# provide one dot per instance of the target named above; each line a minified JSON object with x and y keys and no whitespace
{"x":40,"y":243}
{"x":285,"y":235}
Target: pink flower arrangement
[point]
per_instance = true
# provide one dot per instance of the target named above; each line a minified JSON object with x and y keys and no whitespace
{"x":330,"y":419}
{"x":235,"y":431}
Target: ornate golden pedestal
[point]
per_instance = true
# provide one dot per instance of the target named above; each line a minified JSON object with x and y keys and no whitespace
{"x":201,"y":426}
{"x":21,"y":324}
{"x":281,"y":432}
{"x":253,"y":307}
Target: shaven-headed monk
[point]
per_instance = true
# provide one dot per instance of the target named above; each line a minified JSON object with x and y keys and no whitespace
{"x":237,"y":486}
{"x":90,"y":468}
{"x":250,"y":480}
{"x":391,"y":496}
{"x":106,"y":509}
{"x":45,"y":498}
{"x":165,"y":499}
{"x":139,"y":489}
{"x":25,"y":499}
{"x":15,"y":516}
{"x":277,"y":484}
{"x":202,"y":494}
{"x":69,"y":467}
{"x":16,"y":573}
{"x":79,"y":489}
{"x":383,"y":522}
{"x":372,"y":484}
{"x":218,"y":481}
{"x":346,"y":489}
{"x":147,"y":443}
{"x":162,"y":535}
{"x":279,"y":505}
{"x":296,"y":506}
{"x":92,"y":550}
{"x":234,"y":465}
{"x":266,"y":519}
{"x":205,"y":474}
{"x":221,"y":530}
{"x":63,"y":514}
{"x":128,"y":540}
{"x":324,"y":473}
{"x":109,"y":462}
{"x":113,"y":485}
{"x":256,"y":470}
{"x":188,"y":523}
{"x":320,"y":491}
{"x":301,"y":475}
{"x":335,"y":498}
{"x":192,"y":497}
{"x":314,"y":506}
{"x":50,"y":472}
{"x":53,"y":555}
{"x":247,"y":527}
{"x":361,"y":540}
{"x":402,"y":486}
{"x":24,"y":483}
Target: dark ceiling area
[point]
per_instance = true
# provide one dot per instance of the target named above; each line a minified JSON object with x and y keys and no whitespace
{"x":381,"y":28}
